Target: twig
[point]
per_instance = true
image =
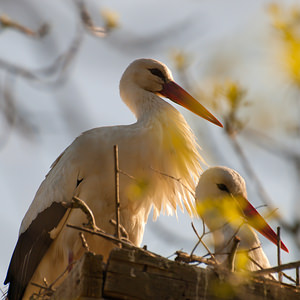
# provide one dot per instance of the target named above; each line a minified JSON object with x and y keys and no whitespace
{"x":278,"y":253}
{"x":126,"y":174}
{"x":187,"y":258}
{"x":6,"y":22}
{"x":202,"y":242}
{"x":105,"y":235}
{"x":84,"y":242}
{"x":297,"y":277}
{"x":117,"y":191}
{"x":58,"y":67}
{"x":176,"y":179}
{"x":232,"y":254}
{"x":88,"y":22}
{"x":199,"y":239}
{"x":124,"y":232}
{"x":278,"y":268}
{"x":78,"y":203}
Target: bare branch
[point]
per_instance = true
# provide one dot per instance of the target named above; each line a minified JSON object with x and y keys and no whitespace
{"x":117,"y":191}
{"x":52,"y":74}
{"x":101,"y":233}
{"x":282,"y":267}
{"x":88,"y":22}
{"x":202,"y":242}
{"x":176,"y":179}
{"x":6,"y":22}
{"x":187,"y":258}
{"x":124,"y":232}
{"x":278,"y":253}
{"x":84,"y":242}
{"x":232,"y":255}
{"x":78,"y":203}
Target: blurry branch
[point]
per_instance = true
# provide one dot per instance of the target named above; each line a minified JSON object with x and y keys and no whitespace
{"x":51,"y":75}
{"x":11,"y":113}
{"x":281,"y":150}
{"x":182,"y":61}
{"x":280,"y":268}
{"x":88,"y":22}
{"x":232,"y":254}
{"x":6,"y":22}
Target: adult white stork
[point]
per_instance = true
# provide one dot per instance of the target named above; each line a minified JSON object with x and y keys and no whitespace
{"x":159,"y":142}
{"x":221,"y":200}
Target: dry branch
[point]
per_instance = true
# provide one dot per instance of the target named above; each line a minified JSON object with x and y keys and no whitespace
{"x":117,"y":191}
{"x":107,"y":236}
{"x":282,"y":267}
{"x":88,"y":22}
{"x":232,"y":254}
{"x":187,"y":258}
{"x":6,"y":22}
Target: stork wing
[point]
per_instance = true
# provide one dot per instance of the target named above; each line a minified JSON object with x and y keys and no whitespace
{"x":31,"y":247}
{"x":43,"y":215}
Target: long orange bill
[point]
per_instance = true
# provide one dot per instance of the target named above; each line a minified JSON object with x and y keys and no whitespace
{"x":177,"y":94}
{"x":255,"y":220}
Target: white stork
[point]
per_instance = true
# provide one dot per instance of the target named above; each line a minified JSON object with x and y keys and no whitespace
{"x":221,"y":200}
{"x":160,"y":142}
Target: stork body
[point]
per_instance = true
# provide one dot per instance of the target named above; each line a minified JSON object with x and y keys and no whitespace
{"x":160,"y":142}
{"x":221,"y":198}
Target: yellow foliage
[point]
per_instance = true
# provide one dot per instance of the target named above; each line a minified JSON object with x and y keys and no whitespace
{"x":137,"y":189}
{"x":180,"y":59}
{"x":111,"y":18}
{"x":225,"y":208}
{"x":241,"y":261}
{"x":223,"y":290}
{"x":287,"y":22}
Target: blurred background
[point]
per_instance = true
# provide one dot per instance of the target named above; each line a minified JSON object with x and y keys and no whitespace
{"x":60,"y":66}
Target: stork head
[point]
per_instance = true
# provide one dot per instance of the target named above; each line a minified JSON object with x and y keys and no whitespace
{"x":222,"y":198}
{"x":153,"y":76}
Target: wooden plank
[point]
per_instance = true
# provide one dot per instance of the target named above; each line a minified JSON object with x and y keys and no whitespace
{"x":84,"y":281}
{"x":136,"y":274}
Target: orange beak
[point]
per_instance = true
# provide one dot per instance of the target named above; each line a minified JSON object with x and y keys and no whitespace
{"x":177,"y":94}
{"x":255,"y":220}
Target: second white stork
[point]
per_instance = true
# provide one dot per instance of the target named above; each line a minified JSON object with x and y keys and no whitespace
{"x":221,"y":200}
{"x":160,"y":142}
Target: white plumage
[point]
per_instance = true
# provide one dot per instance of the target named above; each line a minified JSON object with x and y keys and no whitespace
{"x":221,"y":200}
{"x":159,"y":142}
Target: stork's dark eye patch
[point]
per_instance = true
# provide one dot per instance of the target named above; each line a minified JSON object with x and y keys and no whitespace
{"x":223,"y":187}
{"x":158,"y":73}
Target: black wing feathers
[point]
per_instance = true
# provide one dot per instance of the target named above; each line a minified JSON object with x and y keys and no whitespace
{"x":31,"y":247}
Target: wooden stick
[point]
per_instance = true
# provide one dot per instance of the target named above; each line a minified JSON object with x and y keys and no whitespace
{"x":104,"y":235}
{"x":84,"y":242}
{"x":202,"y":242}
{"x":187,"y":258}
{"x":232,"y":255}
{"x":117,"y":191}
{"x":123,"y":231}
{"x":278,"y":253}
{"x":278,"y":268}
{"x":78,"y":203}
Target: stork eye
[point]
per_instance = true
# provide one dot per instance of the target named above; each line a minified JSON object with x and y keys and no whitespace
{"x":158,"y":73}
{"x":223,"y":187}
